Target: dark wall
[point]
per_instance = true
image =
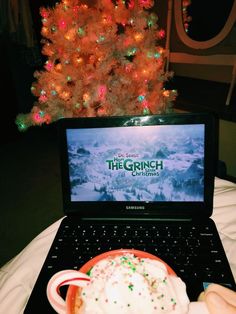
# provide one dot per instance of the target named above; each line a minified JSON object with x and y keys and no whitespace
{"x":18,"y":64}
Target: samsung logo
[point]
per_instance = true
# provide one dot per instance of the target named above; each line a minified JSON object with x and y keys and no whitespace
{"x":135,"y":207}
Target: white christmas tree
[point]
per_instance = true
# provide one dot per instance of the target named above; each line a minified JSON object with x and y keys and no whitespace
{"x":103,"y":59}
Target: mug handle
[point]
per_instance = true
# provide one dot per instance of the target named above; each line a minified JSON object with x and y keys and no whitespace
{"x":63,"y":278}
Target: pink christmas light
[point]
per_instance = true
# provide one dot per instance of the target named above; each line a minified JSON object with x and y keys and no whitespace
{"x":102,"y":90}
{"x":62,"y":24}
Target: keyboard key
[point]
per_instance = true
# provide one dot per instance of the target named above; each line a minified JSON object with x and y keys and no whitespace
{"x":180,"y":246}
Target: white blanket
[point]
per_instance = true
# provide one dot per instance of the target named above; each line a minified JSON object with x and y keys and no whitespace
{"x":18,"y":276}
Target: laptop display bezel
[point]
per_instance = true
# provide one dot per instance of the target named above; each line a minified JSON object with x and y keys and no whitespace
{"x":138,"y":209}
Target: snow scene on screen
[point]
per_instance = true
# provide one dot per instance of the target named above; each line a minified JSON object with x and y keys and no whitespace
{"x":148,"y":163}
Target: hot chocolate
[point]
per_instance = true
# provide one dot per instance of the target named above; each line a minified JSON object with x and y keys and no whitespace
{"x":128,"y":284}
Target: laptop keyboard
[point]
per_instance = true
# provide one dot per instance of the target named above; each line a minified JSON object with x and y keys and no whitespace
{"x":190,"y":255}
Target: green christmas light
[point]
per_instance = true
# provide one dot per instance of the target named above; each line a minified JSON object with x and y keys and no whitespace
{"x":100,"y":39}
{"x":41,"y":114}
{"x":131,"y":51}
{"x":150,"y":23}
{"x":141,"y":98}
{"x":20,"y":122}
{"x":146,"y":111}
{"x":22,"y":126}
{"x":81,"y":31}
{"x":152,"y":20}
{"x":157,"y":55}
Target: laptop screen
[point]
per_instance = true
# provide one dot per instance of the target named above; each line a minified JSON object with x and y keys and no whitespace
{"x":139,"y":164}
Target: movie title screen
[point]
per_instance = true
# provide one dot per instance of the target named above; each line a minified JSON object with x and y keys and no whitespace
{"x":144,"y":163}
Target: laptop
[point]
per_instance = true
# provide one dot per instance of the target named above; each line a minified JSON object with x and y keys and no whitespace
{"x":142,"y":182}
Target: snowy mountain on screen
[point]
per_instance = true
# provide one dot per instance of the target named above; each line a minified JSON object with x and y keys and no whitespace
{"x":181,"y":179}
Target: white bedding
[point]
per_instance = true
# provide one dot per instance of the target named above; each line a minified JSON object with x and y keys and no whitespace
{"x":224,"y":215}
{"x":18,"y":276}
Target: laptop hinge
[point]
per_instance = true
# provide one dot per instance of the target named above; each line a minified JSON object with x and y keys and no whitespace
{"x":135,"y":219}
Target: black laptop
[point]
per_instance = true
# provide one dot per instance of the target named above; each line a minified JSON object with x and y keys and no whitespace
{"x":142,"y":182}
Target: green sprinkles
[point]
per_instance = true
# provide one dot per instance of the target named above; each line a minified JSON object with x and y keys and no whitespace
{"x":124,"y":261}
{"x":131,"y":287}
{"x":173,"y":301}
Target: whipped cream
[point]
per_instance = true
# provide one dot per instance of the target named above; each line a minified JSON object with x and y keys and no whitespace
{"x":128,"y":284}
